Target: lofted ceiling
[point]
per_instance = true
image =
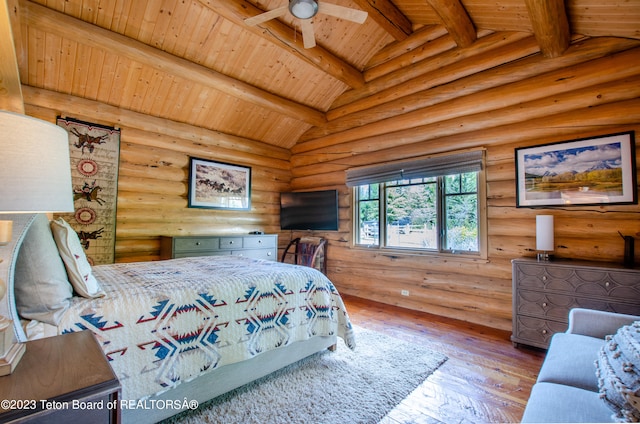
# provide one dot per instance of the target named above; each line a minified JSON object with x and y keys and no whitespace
{"x":197,"y":62}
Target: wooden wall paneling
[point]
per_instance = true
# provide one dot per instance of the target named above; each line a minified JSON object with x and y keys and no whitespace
{"x":481,"y":47}
{"x":495,"y":106}
{"x":452,"y":82}
{"x":586,"y":100}
{"x":591,"y":89}
{"x":153,"y":177}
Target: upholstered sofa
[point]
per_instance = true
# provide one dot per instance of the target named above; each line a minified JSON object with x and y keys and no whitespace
{"x":579,"y":380}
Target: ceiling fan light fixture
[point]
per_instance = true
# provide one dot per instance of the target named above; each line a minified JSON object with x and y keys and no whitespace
{"x":303,"y":9}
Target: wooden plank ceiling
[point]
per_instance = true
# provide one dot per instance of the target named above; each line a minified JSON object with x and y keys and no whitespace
{"x":197,"y":62}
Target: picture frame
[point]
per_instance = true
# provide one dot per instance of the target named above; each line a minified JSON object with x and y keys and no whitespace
{"x":586,"y":171}
{"x":219,"y":185}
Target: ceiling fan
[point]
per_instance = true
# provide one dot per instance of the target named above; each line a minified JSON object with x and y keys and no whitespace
{"x":305,"y":10}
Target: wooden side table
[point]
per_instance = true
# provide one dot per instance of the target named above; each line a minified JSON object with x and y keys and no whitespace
{"x":64,"y":378}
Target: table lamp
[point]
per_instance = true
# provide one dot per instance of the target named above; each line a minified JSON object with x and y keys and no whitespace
{"x":35,"y":177}
{"x":544,"y":236}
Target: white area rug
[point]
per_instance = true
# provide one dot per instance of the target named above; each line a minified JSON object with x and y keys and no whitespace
{"x":345,"y":386}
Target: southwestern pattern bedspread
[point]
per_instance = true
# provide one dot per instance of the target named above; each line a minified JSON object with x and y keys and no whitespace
{"x":162,"y":323}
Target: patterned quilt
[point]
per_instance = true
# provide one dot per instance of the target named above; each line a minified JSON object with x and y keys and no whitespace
{"x":162,"y":323}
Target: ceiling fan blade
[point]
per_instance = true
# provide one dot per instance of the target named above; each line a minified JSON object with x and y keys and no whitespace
{"x":353,"y":15}
{"x":308,"y":36}
{"x":266,"y":16}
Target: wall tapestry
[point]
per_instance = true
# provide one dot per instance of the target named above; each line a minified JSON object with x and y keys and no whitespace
{"x":95,"y":152}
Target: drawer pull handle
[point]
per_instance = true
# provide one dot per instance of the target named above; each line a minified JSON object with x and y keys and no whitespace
{"x":544,"y":278}
{"x":231,"y":242}
{"x":544,"y":331}
{"x":607,"y":284}
{"x":544,"y":304}
{"x":197,"y":243}
{"x":268,"y":253}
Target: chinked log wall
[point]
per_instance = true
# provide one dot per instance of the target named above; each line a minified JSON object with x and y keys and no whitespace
{"x":499,"y":96}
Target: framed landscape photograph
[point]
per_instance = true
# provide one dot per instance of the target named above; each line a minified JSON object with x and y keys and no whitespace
{"x":219,"y":185}
{"x":588,"y":171}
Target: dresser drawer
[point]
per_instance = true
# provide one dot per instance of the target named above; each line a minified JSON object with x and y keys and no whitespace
{"x":192,"y":253}
{"x":557,"y":306}
{"x":535,"y":331}
{"x":268,"y":254}
{"x":191,"y":244}
{"x":259,"y":242}
{"x":612,"y":284}
{"x":230,"y":243}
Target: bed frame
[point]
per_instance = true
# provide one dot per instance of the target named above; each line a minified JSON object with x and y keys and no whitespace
{"x":201,"y":389}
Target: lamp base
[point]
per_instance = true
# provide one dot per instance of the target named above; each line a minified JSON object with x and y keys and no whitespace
{"x":544,"y":257}
{"x":9,"y":361}
{"x":10,"y":351}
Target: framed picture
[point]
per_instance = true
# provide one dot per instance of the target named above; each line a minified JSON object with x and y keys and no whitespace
{"x":587,"y":171}
{"x":219,"y":185}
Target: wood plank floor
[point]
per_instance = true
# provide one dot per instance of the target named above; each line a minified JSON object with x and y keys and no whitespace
{"x":485,"y":380}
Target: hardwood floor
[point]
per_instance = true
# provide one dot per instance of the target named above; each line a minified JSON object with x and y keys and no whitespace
{"x":485,"y":380}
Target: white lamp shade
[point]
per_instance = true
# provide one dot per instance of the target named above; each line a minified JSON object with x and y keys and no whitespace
{"x":35,"y":172}
{"x":544,"y":233}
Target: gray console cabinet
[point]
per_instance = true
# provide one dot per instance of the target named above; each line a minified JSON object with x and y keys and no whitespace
{"x":545,"y":291}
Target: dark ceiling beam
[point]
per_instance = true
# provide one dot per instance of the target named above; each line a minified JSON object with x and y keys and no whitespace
{"x":48,"y":20}
{"x":550,"y":26}
{"x":388,"y":16}
{"x":282,"y":35}
{"x":457,"y":21}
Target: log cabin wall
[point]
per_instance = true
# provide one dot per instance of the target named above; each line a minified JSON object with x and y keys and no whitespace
{"x":426,"y":95}
{"x":153,"y":174}
{"x":592,"y":89}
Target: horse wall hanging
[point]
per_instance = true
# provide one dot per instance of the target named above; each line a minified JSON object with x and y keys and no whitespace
{"x":95,"y":153}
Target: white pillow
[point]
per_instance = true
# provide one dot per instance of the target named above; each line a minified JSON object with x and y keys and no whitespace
{"x":75,"y":260}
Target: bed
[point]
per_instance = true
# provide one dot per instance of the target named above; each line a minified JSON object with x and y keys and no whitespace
{"x":179,"y":330}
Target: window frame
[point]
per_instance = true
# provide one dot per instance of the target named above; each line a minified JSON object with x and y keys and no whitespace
{"x":381,"y":244}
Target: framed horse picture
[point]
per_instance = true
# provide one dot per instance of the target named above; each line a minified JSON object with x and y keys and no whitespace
{"x":219,"y":185}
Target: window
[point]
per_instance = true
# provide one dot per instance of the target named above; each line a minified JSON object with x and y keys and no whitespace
{"x":431,"y":213}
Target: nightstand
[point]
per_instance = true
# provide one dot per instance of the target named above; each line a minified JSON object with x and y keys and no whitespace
{"x":65,"y":378}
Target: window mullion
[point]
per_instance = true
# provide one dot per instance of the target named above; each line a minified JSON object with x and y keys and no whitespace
{"x":441,"y":213}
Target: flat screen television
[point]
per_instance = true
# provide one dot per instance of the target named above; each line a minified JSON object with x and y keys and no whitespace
{"x":309,"y":210}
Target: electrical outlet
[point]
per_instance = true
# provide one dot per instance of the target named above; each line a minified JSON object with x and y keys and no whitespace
{"x":404,"y":292}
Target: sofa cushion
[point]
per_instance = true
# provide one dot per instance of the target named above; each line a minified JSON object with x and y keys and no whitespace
{"x":619,"y":372}
{"x":557,"y":403}
{"x":579,"y":370}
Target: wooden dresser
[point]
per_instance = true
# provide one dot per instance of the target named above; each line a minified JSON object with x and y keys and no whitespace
{"x":61,"y":379}
{"x":260,"y":246}
{"x":544,"y":292}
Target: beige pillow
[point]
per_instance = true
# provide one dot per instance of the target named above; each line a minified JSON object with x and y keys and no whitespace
{"x":41,"y":285}
{"x":75,"y":260}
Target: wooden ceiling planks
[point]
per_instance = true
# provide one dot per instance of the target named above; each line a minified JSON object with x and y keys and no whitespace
{"x":597,"y":18}
{"x":285,"y":91}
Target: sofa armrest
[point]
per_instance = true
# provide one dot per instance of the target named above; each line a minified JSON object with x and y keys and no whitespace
{"x":589,"y":322}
